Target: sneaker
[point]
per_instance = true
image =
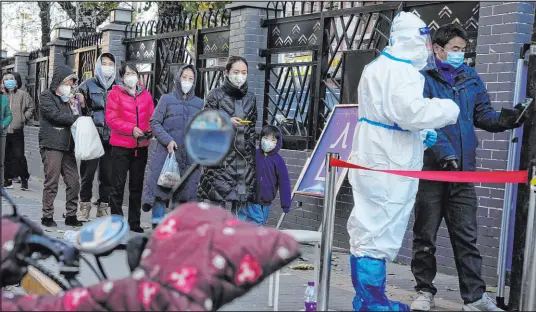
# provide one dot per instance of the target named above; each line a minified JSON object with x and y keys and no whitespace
{"x":8,"y":184}
{"x":484,"y":304}
{"x":48,"y":222}
{"x":24,"y":184}
{"x":72,"y":221}
{"x":83,"y":211}
{"x":102,"y":210}
{"x":17,"y":180}
{"x":424,"y":302}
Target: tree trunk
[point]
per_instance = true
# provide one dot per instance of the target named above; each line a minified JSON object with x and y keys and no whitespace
{"x":169,"y":9}
{"x":44,"y":16}
{"x":89,"y":16}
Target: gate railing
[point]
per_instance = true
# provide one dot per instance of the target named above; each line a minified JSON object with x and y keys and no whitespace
{"x":7,"y":65}
{"x":37,"y":80}
{"x":81,"y":54}
{"x":306,"y":43}
{"x":159,"y":48}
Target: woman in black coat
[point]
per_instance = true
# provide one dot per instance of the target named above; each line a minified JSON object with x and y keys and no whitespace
{"x":234,"y":179}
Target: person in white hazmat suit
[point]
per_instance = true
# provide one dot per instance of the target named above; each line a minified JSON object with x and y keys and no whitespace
{"x":396,"y":124}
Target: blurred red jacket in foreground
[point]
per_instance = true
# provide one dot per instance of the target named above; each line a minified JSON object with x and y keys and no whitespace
{"x":199,"y":258}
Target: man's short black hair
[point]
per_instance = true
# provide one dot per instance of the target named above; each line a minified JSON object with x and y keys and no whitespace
{"x":446,"y":32}
{"x":123,"y":69}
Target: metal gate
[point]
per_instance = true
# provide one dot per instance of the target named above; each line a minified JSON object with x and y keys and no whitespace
{"x":159,"y":48}
{"x":82,"y":53}
{"x":305,"y":51}
{"x":37,"y":80}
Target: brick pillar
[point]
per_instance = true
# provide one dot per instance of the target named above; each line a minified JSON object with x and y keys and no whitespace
{"x":112,"y":42}
{"x":21,"y":66}
{"x":503,"y":28}
{"x":56,"y":56}
{"x":246,"y":38}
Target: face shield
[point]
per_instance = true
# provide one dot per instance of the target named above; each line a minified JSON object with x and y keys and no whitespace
{"x":427,"y":58}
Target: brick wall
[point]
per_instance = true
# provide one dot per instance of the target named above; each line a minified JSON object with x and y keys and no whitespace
{"x":246,"y":37}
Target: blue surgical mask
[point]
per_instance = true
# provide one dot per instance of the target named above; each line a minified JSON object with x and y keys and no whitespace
{"x":454,"y":59}
{"x":10,"y":84}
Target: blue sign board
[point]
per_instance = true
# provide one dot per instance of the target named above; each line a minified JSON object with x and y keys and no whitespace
{"x":337,"y":137}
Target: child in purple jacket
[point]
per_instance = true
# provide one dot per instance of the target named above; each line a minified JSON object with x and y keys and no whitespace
{"x":272,"y":174}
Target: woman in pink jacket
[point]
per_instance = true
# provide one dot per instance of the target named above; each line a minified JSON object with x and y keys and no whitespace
{"x":128,"y":111}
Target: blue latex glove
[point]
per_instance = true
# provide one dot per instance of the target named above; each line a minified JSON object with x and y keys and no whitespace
{"x":430,"y":139}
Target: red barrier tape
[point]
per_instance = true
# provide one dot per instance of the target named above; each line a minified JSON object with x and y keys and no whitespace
{"x":449,"y":176}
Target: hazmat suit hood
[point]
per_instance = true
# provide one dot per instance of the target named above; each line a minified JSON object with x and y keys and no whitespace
{"x":177,"y":88}
{"x":407,"y":42}
{"x":106,"y":83}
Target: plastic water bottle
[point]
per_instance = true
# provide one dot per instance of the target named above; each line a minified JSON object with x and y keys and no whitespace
{"x":310,"y":297}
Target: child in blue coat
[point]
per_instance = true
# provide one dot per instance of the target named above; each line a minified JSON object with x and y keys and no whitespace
{"x":272,"y":174}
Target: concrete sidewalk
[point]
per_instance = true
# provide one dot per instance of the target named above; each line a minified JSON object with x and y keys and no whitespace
{"x":293,"y":282}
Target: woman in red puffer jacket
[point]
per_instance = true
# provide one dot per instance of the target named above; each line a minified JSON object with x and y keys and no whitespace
{"x":128,"y":111}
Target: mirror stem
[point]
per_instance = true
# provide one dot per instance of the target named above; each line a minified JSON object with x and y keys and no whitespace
{"x":179,"y":185}
{"x":101,"y":268}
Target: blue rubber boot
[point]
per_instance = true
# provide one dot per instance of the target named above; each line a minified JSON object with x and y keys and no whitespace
{"x":157,"y":213}
{"x":368,"y":279}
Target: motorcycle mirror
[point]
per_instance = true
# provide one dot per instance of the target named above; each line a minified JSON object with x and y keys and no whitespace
{"x":209,"y":137}
{"x":102,"y":235}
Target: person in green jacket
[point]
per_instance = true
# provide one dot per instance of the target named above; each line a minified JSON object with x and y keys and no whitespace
{"x":6,"y":118}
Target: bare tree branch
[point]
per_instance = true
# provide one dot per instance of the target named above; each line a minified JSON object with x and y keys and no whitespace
{"x":69,"y":8}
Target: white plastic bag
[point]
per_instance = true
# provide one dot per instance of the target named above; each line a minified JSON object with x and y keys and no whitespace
{"x":170,"y":174}
{"x":87,"y":142}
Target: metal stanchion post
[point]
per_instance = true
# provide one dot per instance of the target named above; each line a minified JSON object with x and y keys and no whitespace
{"x":528,"y":282}
{"x":328,"y":222}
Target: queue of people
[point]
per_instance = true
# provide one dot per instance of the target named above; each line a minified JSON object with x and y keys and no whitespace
{"x":425,"y":118}
{"x":127,"y":121}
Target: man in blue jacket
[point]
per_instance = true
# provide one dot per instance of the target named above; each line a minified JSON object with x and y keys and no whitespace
{"x":455,"y":150}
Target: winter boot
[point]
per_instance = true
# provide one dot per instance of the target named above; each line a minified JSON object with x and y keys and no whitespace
{"x":368,"y":279}
{"x":102,"y":210}
{"x":83,"y":211}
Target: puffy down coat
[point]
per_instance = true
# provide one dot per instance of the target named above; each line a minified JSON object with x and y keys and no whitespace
{"x":124,"y":112}
{"x":170,"y":119}
{"x":234,"y":179}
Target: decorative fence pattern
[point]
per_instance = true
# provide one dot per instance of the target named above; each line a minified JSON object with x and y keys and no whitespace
{"x":301,"y":90}
{"x":159,"y":48}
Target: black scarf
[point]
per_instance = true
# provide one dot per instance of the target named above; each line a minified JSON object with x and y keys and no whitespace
{"x":232,"y":91}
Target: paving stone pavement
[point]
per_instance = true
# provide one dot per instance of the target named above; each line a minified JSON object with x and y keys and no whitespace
{"x":293,"y":282}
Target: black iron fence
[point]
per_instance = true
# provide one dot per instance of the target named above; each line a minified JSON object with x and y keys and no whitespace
{"x":7,"y":65}
{"x":37,"y":79}
{"x":159,"y":48}
{"x":307,"y":45}
{"x":81,"y":54}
